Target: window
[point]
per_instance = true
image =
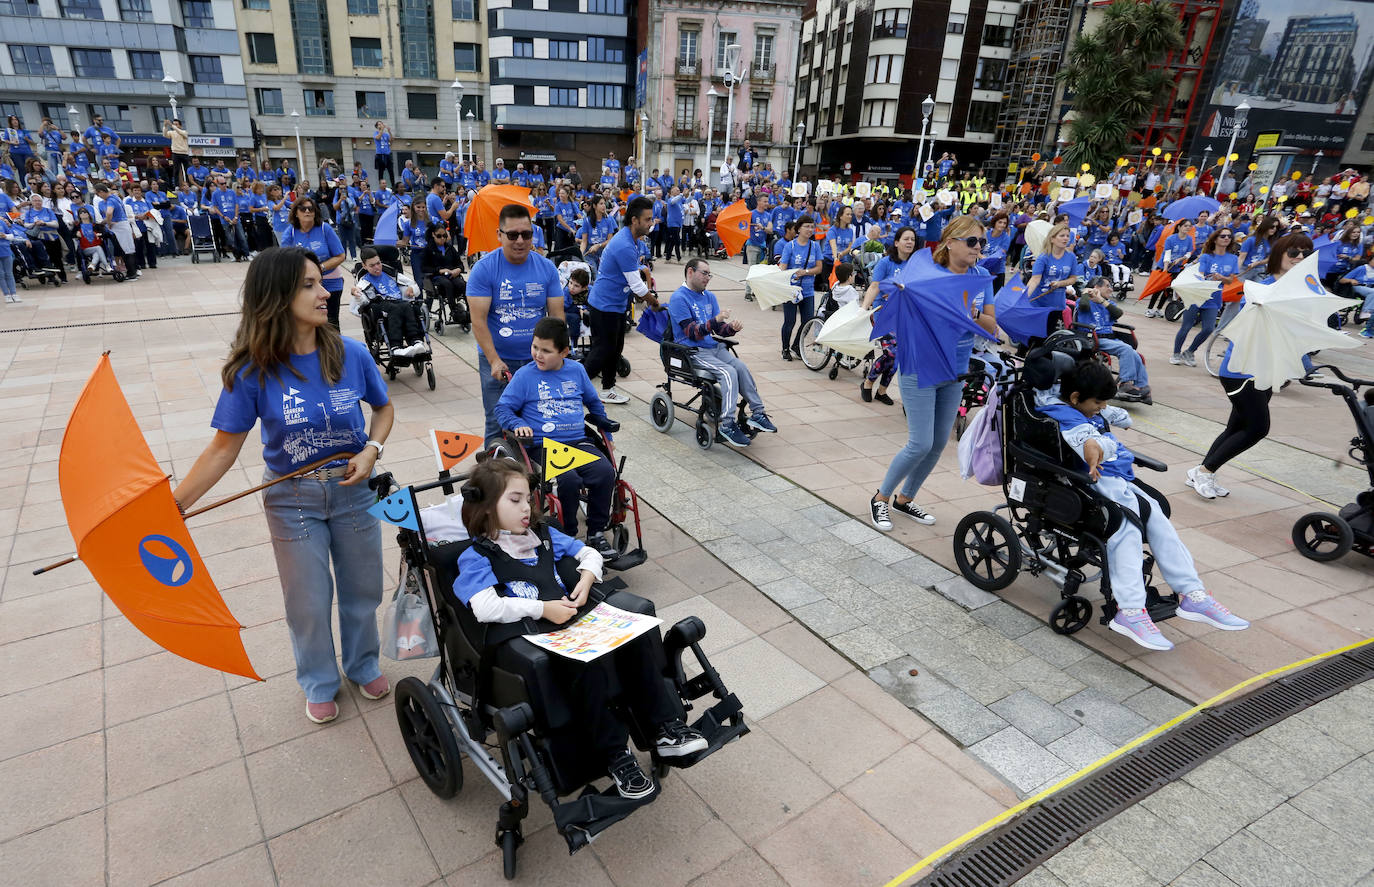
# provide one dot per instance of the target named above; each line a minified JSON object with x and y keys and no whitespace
{"x":605,"y":95}
{"x":606,"y":7}
{"x":467,"y":57}
{"x":319,"y":103}
{"x":563,"y":49}
{"x":81,"y":9}
{"x":362,"y":7}
{"x":206,"y":69}
{"x":523,"y":47}
{"x":269,"y":101}
{"x":686,"y":116}
{"x":560,"y":97}
{"x":982,"y":116}
{"x":956,"y":23}
{"x":27,"y":8}
{"x":473,"y":104}
{"x":8,"y":108}
{"x":687,"y":41}
{"x":724,"y":39}
{"x":891,"y":23}
{"x":93,"y":63}
{"x":32,"y":60}
{"x":116,"y":116}
{"x":215,"y":121}
{"x":136,"y":10}
{"x":880,"y":112}
{"x":417,"y":39}
{"x":264,"y":5}
{"x":57,"y":113}
{"x":884,"y":69}
{"x":371,"y":104}
{"x":145,"y":65}
{"x":997,"y":35}
{"x":367,"y":51}
{"x":262,"y":48}
{"x":602,"y":49}
{"x":758,"y":114}
{"x":465,"y":10}
{"x":949,"y":69}
{"x":524,"y":96}
{"x":310,"y":25}
{"x":197,"y":13}
{"x":422,"y":105}
{"x":991,"y":74}
{"x":763,"y":52}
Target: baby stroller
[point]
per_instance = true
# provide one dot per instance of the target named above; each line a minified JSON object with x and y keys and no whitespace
{"x":497,"y":706}
{"x":1054,"y":522}
{"x":374,"y":328}
{"x":624,"y":501}
{"x":202,"y":236}
{"x":1321,"y":535}
{"x":705,"y":404}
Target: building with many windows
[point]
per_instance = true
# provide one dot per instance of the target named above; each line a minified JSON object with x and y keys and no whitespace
{"x":687,"y":55}
{"x":328,"y":70}
{"x":74,"y":59}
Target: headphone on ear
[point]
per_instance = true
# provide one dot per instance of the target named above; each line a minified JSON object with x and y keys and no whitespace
{"x":471,"y":492}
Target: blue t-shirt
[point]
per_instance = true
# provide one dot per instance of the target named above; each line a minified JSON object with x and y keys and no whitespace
{"x":1255,"y":250}
{"x":799,"y":255}
{"x":519,"y":297}
{"x":611,"y":291}
{"x":550,"y":402}
{"x":304,"y":420}
{"x":1052,"y":270}
{"x":674,"y":212}
{"x":37,"y":217}
{"x":1115,"y":253}
{"x":1099,"y":316}
{"x":598,"y":233}
{"x":383,"y":143}
{"x":500,"y":174}
{"x":1225,"y":265}
{"x":475,"y":573}
{"x":1068,"y":418}
{"x":324,"y":243}
{"x":759,"y":220}
{"x":839,"y":240}
{"x":1178,"y":248}
{"x":687,"y":305}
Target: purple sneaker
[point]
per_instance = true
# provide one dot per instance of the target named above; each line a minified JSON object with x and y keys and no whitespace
{"x":1139,"y":627}
{"x":1199,"y":606}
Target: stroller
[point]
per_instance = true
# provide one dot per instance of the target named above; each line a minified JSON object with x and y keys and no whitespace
{"x":374,"y":328}
{"x":1321,"y":535}
{"x":497,"y":706}
{"x":202,"y":236}
{"x":1054,"y":521}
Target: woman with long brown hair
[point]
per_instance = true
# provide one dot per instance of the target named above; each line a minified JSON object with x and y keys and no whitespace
{"x":310,"y":231}
{"x":290,"y":369}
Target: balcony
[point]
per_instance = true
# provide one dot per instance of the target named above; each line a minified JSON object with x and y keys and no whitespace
{"x":686,"y":129}
{"x":762,"y":72}
{"x":689,"y":68}
{"x":759,"y":132}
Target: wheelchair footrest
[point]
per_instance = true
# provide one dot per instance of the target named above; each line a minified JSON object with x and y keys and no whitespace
{"x":1160,"y":606}
{"x":721,"y":724}
{"x":580,"y":820}
{"x":629,"y":560}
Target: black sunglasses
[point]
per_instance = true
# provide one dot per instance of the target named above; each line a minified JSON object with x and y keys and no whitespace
{"x":1297,"y":252}
{"x":971,"y":242}
{"x":519,"y":235}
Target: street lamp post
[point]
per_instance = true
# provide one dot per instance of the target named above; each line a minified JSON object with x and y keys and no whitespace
{"x":927,"y":106}
{"x":458,"y":114}
{"x":796,"y":161}
{"x":643,"y":138}
{"x":300,"y":155}
{"x":1315,"y":160}
{"x":472,"y":147}
{"x":1237,"y":121}
{"x":711,"y":96}
{"x":171,"y":83}
{"x":732,"y":52}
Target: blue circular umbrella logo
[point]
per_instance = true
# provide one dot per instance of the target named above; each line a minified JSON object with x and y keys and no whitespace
{"x":165,"y":560}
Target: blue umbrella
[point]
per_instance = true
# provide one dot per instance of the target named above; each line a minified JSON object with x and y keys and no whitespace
{"x":1190,"y":207}
{"x":1018,"y":317}
{"x":927,"y":313}
{"x":1075,"y":209}
{"x":1325,"y":248}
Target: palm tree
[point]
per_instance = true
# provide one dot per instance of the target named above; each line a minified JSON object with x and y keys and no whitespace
{"x":1109,"y":72}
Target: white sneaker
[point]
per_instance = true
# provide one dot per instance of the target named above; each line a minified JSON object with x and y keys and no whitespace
{"x":15,"y":299}
{"x":1188,"y":359}
{"x":419,"y":348}
{"x":1201,"y":482}
{"x":1176,"y":359}
{"x":611,"y":395}
{"x":9,"y":298}
{"x":403,"y":351}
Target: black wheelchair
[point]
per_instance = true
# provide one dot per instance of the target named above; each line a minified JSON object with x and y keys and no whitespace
{"x":374,"y":329}
{"x":705,"y":404}
{"x":1126,"y":333}
{"x":498,"y":706}
{"x":1054,"y":521}
{"x":1321,"y":535}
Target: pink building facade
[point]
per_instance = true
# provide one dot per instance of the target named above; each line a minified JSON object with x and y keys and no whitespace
{"x":687,"y":45}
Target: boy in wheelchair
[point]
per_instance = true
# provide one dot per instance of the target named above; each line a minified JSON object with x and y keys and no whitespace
{"x":545,"y":399}
{"x":1079,"y":407}
{"x":394,"y":307}
{"x":1098,"y":314}
{"x":517,"y":571}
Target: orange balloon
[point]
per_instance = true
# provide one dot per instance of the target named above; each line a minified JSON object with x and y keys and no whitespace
{"x":1035,"y":156}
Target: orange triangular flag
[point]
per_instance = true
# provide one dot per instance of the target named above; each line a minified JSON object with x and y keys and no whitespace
{"x":452,"y":447}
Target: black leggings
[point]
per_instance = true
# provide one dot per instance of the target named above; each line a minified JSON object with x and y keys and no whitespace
{"x":608,"y":343}
{"x":806,"y":308}
{"x":1247,"y":425}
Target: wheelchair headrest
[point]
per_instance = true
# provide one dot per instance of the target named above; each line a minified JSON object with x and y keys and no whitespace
{"x":1055,"y":356}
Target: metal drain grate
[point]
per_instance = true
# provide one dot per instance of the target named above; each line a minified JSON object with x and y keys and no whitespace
{"x":72,"y":326}
{"x":1008,"y":853}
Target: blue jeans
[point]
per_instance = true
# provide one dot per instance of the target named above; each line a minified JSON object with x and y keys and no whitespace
{"x":930,"y":416}
{"x":313,"y":523}
{"x":491,"y":392}
{"x":1367,"y":293}
{"x":1186,"y":322}
{"x":1132,"y":367}
{"x":7,"y":285}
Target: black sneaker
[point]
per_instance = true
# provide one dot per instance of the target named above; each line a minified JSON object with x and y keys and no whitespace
{"x":676,"y":739}
{"x":602,"y":545}
{"x":883,"y":398}
{"x":878,"y":511}
{"x":630,"y":781}
{"x":913,"y":511}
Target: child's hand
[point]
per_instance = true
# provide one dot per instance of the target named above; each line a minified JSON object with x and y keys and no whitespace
{"x":559,"y":612}
{"x":581,"y":590}
{"x":1092,"y":454}
{"x":524,"y":432}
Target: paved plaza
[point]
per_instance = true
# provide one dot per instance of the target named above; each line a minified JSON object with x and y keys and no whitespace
{"x":893,"y":706}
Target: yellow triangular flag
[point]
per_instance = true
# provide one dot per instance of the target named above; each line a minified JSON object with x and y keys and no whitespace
{"x":561,"y":457}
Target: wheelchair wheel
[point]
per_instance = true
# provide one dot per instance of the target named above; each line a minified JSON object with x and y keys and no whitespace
{"x":835,"y":371}
{"x":1173,"y":310}
{"x":661,"y":411}
{"x":419,"y":367}
{"x":509,"y":841}
{"x":428,"y":737}
{"x":118,"y":276}
{"x":987,"y":551}
{"x":391,"y":372}
{"x":1213,"y":352}
{"x":622,"y":369}
{"x":1070,"y":614}
{"x":1322,"y":536}
{"x":705,"y":434}
{"x":429,"y":376}
{"x":620,"y":539}
{"x":813,"y":354}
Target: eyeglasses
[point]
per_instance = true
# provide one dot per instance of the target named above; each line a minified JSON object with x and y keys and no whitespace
{"x":1223,"y":237}
{"x":305,"y":209}
{"x":1297,"y":252}
{"x":706,"y":274}
{"x":974,"y":242}
{"x":519,"y":235}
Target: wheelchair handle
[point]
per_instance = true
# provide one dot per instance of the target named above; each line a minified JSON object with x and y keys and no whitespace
{"x":1336,"y":371}
{"x":607,"y":425}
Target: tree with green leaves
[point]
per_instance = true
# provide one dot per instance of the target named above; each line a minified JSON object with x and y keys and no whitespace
{"x":1114,"y":86}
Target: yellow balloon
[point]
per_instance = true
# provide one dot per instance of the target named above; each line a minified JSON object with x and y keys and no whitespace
{"x":1121,"y":161}
{"x":1189,"y":175}
{"x":1149,"y":163}
{"x":1297,"y":175}
{"x":1085,"y":167}
{"x":1252,"y":167}
{"x":1302,"y":208}
{"x":1235,"y":157}
{"x":1155,"y":151}
{"x":1283,"y":199}
{"x":1351,"y":213}
{"x":1369,"y":220}
{"x":1234,"y":195}
{"x":1264,"y":190}
{"x":1168,"y":157}
{"x":1317,"y":203}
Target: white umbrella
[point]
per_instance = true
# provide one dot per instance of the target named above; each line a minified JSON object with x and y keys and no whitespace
{"x":849,"y":331}
{"x":1280,"y":322}
{"x":771,"y":285}
{"x":1192,"y":287}
{"x":1035,"y":235}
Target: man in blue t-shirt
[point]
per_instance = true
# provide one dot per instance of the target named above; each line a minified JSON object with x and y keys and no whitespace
{"x":381,"y":146}
{"x":509,"y":290}
{"x":618,"y":276}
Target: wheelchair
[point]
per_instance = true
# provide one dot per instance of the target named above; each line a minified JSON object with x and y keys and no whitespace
{"x":447,"y":314}
{"x":374,"y":329}
{"x":1126,"y":333}
{"x":704,"y":404}
{"x":1053,"y":522}
{"x":499,"y":708}
{"x":815,"y":356}
{"x":1323,"y":536}
{"x":624,"y":499}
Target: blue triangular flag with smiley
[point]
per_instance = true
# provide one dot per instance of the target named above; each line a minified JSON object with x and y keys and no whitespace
{"x":398,"y":509}
{"x":561,"y":457}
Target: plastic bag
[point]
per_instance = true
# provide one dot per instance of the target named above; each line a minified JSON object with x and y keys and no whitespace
{"x":980,"y":449}
{"x":408,"y":627}
{"x":653,"y":323}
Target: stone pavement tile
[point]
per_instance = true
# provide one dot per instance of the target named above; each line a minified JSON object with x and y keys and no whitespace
{"x":1043,"y":679}
{"x":767,"y":677}
{"x":798,"y":643}
{"x":826,"y":618}
{"x":255,"y":603}
{"x":54,"y":783}
{"x":1161,"y":849}
{"x":1092,"y":862}
{"x":1247,"y":860}
{"x":181,"y":825}
{"x":962,"y":717}
{"x":542,"y":862}
{"x":177,"y":680}
{"x":315,"y":775}
{"x":1321,"y":752}
{"x":953,"y":664}
{"x":921,"y":570}
{"x":1347,"y":718}
{"x":1106,"y":716}
{"x":1260,"y":650}
{"x":745,"y":867}
{"x":885,"y":550}
{"x":1192,"y":669}
{"x":946,"y":618}
{"x":41,"y":614}
{"x":70,"y":853}
{"x":1034,"y":717}
{"x":823,"y":515}
{"x":791,"y":592}
{"x":122,"y":642}
{"x":1156,"y":705}
{"x":50,"y":714}
{"x":30,"y":662}
{"x":868,"y":693}
{"x":374,"y":841}
{"x":1009,"y":621}
{"x":1308,"y":631}
{"x":964,"y":593}
{"x":1189,"y":808}
{"x":755,"y":785}
{"x":1041,"y":877}
{"x":667,"y":843}
{"x":1081,"y":747}
{"x":698,"y":569}
{"x":1333,"y":857}
{"x":865,"y":646}
{"x":272,"y":711}
{"x":1341,"y":801}
{"x":835,"y":843}
{"x":911,"y":690}
{"x":732,"y":548}
{"x":1294,"y":588}
{"x":658,"y":585}
{"x":1107,"y":677}
{"x":1241,"y":792}
{"x":991,"y":647}
{"x":1200,"y":874}
{"x":759,"y":570}
{"x":459,"y":831}
{"x":247,"y":868}
{"x":748,"y":606}
{"x":722,"y":630}
{"x":165,"y":746}
{"x":833,"y":735}
{"x":1019,"y":759}
{"x":1241,"y":597}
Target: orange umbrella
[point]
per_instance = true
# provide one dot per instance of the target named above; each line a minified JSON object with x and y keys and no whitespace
{"x":1158,"y":281}
{"x":1233,"y":290}
{"x":732,"y":226}
{"x":480,"y":224}
{"x":132,"y":538}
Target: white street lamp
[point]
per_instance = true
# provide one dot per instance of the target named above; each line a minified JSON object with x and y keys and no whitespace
{"x":927,"y":107}
{"x":643,"y":137}
{"x":1237,"y":121}
{"x":300,"y":155}
{"x":796,"y":160}
{"x":458,"y":114}
{"x":1317,"y":158}
{"x":472,"y":148}
{"x":732,"y":53}
{"x":711,"y":96}
{"x":171,"y":83}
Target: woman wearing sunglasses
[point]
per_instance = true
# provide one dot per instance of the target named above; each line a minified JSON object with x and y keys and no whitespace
{"x":1248,"y":423}
{"x":308,"y":231}
{"x":1218,"y":262}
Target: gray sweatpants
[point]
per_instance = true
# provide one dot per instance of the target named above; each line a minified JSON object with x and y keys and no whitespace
{"x":734,"y":377}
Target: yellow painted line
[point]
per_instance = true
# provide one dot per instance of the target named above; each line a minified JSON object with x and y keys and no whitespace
{"x":1134,"y":743}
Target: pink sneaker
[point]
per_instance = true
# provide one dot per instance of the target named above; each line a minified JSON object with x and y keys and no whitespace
{"x":1139,"y":627}
{"x":322,"y":712}
{"x":375,"y":689}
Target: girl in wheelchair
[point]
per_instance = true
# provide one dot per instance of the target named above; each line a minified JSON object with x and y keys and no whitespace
{"x":1081,"y":410}
{"x":517,"y":569}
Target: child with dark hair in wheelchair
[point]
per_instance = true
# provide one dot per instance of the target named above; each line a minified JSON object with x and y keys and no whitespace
{"x":1097,"y":312}
{"x":394,"y":304}
{"x":1079,"y":407}
{"x":546,"y":399}
{"x":523,"y":577}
